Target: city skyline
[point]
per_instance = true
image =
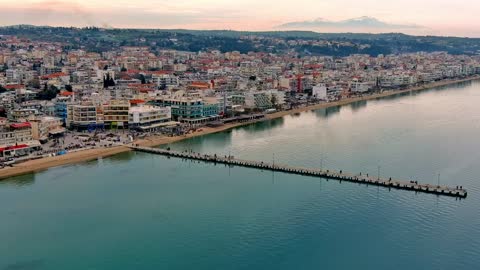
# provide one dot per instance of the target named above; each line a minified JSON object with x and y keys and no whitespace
{"x":371,"y":16}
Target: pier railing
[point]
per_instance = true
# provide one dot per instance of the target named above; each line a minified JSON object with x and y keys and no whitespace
{"x":329,"y":174}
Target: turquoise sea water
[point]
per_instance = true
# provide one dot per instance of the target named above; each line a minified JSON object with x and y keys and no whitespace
{"x":141,"y":211}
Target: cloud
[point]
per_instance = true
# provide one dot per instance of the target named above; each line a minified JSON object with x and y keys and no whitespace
{"x":350,"y":24}
{"x":63,"y":13}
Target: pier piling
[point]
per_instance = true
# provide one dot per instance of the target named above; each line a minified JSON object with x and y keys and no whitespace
{"x":458,"y":191}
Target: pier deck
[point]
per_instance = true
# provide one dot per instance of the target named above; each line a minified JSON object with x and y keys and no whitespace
{"x":329,"y":174}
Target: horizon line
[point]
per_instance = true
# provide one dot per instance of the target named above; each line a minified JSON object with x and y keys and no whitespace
{"x":232,"y":30}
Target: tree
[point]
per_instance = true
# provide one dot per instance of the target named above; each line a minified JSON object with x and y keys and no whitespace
{"x":68,"y":87}
{"x":123,"y":69}
{"x":273,"y":100}
{"x":105,"y":80}
{"x":35,"y":83}
{"x":142,"y":79}
{"x":111,"y":82}
{"x":48,"y":93}
{"x":108,"y":81}
{"x":2,"y":89}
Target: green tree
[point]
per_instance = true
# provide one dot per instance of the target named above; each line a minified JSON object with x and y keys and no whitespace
{"x":273,"y":100}
{"x":35,"y":83}
{"x":108,"y":81}
{"x":48,"y":93}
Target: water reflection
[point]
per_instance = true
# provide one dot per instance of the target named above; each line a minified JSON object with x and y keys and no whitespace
{"x":395,"y":96}
{"x":327,"y":112}
{"x":20,"y":181}
{"x":263,"y":126}
{"x":357,"y":106}
{"x":122,"y":157}
{"x":220,"y":139}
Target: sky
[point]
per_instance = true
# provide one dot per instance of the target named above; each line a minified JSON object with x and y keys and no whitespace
{"x":434,"y":17}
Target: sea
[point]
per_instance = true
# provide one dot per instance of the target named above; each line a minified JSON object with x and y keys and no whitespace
{"x":144,"y":211}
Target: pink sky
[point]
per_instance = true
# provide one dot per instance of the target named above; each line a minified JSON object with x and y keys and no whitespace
{"x":438,"y":17}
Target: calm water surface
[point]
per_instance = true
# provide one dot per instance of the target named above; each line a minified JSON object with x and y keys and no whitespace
{"x":140,"y":211}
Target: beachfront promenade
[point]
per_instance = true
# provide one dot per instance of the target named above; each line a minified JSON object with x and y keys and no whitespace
{"x":328,"y":174}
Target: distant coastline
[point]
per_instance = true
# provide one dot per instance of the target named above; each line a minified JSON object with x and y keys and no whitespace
{"x":92,"y":154}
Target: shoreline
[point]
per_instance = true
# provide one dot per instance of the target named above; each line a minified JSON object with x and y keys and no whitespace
{"x":42,"y":164}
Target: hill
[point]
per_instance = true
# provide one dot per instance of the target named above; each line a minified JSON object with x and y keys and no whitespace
{"x":334,"y":44}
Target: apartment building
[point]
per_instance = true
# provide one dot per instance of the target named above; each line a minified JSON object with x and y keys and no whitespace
{"x":148,"y":118}
{"x":322,"y":92}
{"x":61,"y":106}
{"x":20,"y":115}
{"x":165,"y":81}
{"x":44,"y":127}
{"x":16,"y":140}
{"x":116,"y":113}
{"x":84,"y":116}
{"x":259,"y":100}
{"x":182,"y":107}
{"x":17,"y":133}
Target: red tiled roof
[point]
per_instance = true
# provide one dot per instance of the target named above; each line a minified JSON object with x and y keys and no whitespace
{"x":20,"y":146}
{"x":159,"y":72}
{"x":132,"y":71}
{"x":66,"y":93}
{"x":53,"y":75}
{"x":200,"y":85}
{"x":14,"y":86}
{"x":144,"y":90}
{"x":137,"y":101}
{"x":21,"y":125}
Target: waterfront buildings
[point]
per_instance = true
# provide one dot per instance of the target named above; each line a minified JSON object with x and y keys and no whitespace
{"x":45,"y":127}
{"x":16,"y":139}
{"x":149,"y":118}
{"x":116,"y":113}
{"x":136,"y":87}
{"x":86,"y":116}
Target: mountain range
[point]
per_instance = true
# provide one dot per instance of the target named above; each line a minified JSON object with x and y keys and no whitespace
{"x":364,"y":22}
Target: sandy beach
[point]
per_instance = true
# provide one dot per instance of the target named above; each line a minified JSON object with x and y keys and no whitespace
{"x":86,"y":155}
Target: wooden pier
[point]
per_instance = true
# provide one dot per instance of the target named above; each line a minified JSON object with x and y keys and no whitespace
{"x":329,"y":174}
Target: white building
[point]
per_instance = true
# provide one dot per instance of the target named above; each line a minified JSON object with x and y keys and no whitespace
{"x":360,"y":87}
{"x":319,"y":91}
{"x":322,"y":92}
{"x":148,"y":117}
{"x":165,"y":80}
